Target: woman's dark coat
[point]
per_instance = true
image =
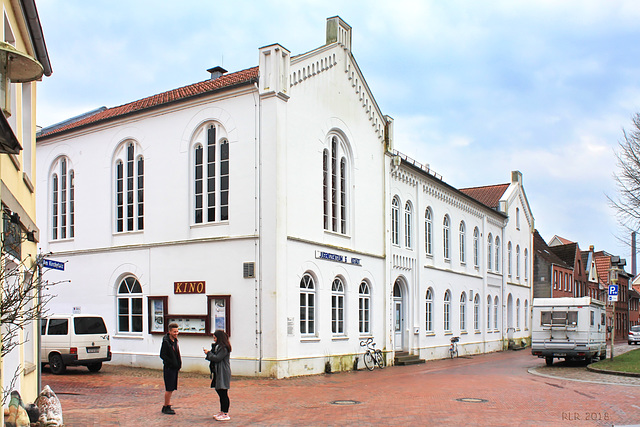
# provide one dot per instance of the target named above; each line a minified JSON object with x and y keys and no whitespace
{"x":219,"y":355}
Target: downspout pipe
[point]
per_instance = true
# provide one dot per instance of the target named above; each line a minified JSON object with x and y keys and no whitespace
{"x":258,"y":221}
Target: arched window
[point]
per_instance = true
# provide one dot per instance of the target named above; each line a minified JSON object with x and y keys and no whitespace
{"x":62,"y":200}
{"x":364,"y":308}
{"x":307,"y":305}
{"x":476,"y":247}
{"x":429,"y":310}
{"x":462,"y":242}
{"x":509,"y":257}
{"x":518,"y":313}
{"x":488,"y":312}
{"x":526,"y":314}
{"x":428,"y":231}
{"x":463,"y":311}
{"x":210,"y":174}
{"x":395,"y":221}
{"x":129,"y":186}
{"x":476,"y":312}
{"x":526,"y":266}
{"x":497,"y":264}
{"x":129,"y":305}
{"x":447,"y":311}
{"x":495,"y":313}
{"x":335,"y":181}
{"x":518,"y":261}
{"x":407,"y":224}
{"x":518,"y":218}
{"x":337,"y":307}
{"x":489,"y":251}
{"x":445,"y":236}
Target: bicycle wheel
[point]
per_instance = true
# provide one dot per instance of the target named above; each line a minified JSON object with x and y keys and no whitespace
{"x":368,"y":360}
{"x":379,"y":358}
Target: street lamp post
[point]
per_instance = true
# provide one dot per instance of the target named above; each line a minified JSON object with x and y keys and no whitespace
{"x":614,"y":281}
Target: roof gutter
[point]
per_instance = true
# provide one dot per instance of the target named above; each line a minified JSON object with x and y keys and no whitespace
{"x":37,"y":37}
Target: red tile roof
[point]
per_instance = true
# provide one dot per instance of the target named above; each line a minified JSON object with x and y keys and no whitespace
{"x":603,"y":264}
{"x":488,"y":195}
{"x":226,"y":81}
{"x":562,"y":240}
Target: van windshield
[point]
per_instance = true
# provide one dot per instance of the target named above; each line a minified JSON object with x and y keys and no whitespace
{"x":89,"y":325}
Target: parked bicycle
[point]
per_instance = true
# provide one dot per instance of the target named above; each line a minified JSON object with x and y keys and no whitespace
{"x":372,"y":356}
{"x":453,"y":348}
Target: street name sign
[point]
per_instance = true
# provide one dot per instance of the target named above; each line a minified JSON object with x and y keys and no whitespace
{"x":56,"y":265}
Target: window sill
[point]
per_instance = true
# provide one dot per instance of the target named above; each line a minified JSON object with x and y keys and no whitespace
{"x":27,"y":182}
{"x":66,"y":239}
{"x":340,"y":338}
{"x":463,"y":333}
{"x":29,"y":368}
{"x":310,"y":339}
{"x":127,"y":233}
{"x":430,"y":334}
{"x":344,"y":236}
{"x":15,"y":161}
{"x":131,"y":337}
{"x":448,"y":333}
{"x":207,"y":224}
{"x":477,"y":332}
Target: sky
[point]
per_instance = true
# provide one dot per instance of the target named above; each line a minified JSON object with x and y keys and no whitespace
{"x":476,"y":88}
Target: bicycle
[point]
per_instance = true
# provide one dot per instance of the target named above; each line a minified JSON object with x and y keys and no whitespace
{"x":453,"y":348}
{"x":372,"y":356}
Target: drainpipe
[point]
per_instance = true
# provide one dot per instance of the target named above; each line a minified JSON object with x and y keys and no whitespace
{"x":258,"y":222}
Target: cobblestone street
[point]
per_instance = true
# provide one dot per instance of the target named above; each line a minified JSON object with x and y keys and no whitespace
{"x":496,"y":389}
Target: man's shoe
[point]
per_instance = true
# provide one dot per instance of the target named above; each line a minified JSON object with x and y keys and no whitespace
{"x":168,"y":410}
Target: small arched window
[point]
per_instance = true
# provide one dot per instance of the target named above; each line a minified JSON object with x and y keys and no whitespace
{"x":462,"y":242}
{"x":429,"y":311}
{"x":129,"y":298}
{"x":447,"y":311}
{"x":489,"y":251}
{"x":337,"y":306}
{"x":495,"y":313}
{"x":463,"y":311}
{"x":509,"y":257}
{"x":518,"y":313}
{"x":408,"y":213}
{"x":476,"y":247}
{"x":428,"y":231}
{"x":364,"y":308}
{"x":446,"y":228}
{"x":395,"y":221}
{"x":518,"y":261}
{"x":488,"y":312}
{"x":307,"y":305}
{"x":476,"y":312}
{"x":526,"y":265}
{"x":497,"y":264}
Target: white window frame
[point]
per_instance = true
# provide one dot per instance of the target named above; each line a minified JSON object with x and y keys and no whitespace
{"x":428,"y":231}
{"x":308,"y":305}
{"x":130,"y":292}
{"x":446,"y":237}
{"x":62,"y":199}
{"x":128,"y":177}
{"x":364,"y":308}
{"x":447,"y":311}
{"x":395,"y":221}
{"x":336,"y":184}
{"x":408,"y":221}
{"x":489,"y":300}
{"x":210,"y":174}
{"x":463,"y":237}
{"x":509,"y":255}
{"x":429,"y":311}
{"x":338,"y":307}
{"x":476,"y":247}
{"x":463,"y":312}
{"x":497,"y":261}
{"x":496,"y":303}
{"x":476,"y":312}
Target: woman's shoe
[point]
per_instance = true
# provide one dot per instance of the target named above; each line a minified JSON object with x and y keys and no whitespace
{"x":223,"y":417}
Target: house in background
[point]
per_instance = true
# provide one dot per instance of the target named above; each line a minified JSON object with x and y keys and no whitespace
{"x":552,"y":276}
{"x":23,"y":61}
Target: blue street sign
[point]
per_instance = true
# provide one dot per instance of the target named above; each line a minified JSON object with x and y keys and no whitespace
{"x":56,"y":265}
{"x":613,"y":289}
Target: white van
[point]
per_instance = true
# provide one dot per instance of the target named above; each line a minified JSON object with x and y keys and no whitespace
{"x":74,"y":339}
{"x":568,"y":328}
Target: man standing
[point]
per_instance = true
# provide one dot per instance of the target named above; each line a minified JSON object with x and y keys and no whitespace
{"x":170,"y":355}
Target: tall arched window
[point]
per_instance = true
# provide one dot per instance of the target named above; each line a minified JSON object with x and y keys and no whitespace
{"x":463,"y":311}
{"x":526,"y":266}
{"x":446,"y":227}
{"x":476,"y":312}
{"x":364,"y":308}
{"x":337,"y":307}
{"x":395,"y":221}
{"x":476,"y":247}
{"x":488,"y":312}
{"x":518,"y":313}
{"x":307,"y":305}
{"x":210,"y":174}
{"x":447,"y":311}
{"x":129,"y":180}
{"x":408,"y":213}
{"x":428,"y":231}
{"x":62,"y":200}
{"x":518,"y":261}
{"x":462,"y":242}
{"x":489,"y":251}
{"x":509,"y":257}
{"x":335,"y":165}
{"x":129,"y":305}
{"x":526,"y":314}
{"x":495,"y":313}
{"x":429,"y":311}
{"x":497,"y":254}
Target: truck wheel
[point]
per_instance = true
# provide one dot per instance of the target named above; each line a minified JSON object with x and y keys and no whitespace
{"x":549,"y":360}
{"x":56,"y":364}
{"x":94,"y":367}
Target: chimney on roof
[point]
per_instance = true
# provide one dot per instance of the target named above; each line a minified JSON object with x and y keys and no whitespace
{"x":338,"y":31}
{"x":516,"y":177}
{"x":216,"y":72}
{"x":591,"y":248}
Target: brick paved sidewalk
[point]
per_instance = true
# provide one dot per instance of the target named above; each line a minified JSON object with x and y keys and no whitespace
{"x":483,"y":390}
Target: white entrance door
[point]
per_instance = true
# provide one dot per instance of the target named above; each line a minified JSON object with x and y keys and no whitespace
{"x":398,"y":317}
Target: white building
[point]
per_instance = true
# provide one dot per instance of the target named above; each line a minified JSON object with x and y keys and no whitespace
{"x":259,"y":202}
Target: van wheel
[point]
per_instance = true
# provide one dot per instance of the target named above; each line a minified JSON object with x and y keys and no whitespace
{"x":549,"y":360}
{"x":56,"y":364}
{"x":94,"y":367}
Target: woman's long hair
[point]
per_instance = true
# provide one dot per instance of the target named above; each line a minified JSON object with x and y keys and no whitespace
{"x":222,"y":339}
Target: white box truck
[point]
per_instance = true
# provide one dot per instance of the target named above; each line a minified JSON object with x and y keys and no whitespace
{"x":568,"y":328}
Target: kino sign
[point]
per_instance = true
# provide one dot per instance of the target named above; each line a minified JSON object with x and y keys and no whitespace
{"x":189,"y":287}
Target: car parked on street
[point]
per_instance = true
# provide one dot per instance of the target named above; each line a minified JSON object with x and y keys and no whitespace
{"x":74,"y":339}
{"x":634,"y":334}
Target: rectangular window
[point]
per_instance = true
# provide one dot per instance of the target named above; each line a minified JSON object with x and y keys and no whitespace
{"x":58,"y":327}
{"x":219,"y":313}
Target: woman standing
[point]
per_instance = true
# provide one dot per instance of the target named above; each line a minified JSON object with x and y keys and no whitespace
{"x":219,"y":355}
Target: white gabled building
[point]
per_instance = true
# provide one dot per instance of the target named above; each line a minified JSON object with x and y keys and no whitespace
{"x":260,"y":202}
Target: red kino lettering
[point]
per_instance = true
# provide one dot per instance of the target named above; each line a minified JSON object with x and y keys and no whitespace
{"x":189,"y":287}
